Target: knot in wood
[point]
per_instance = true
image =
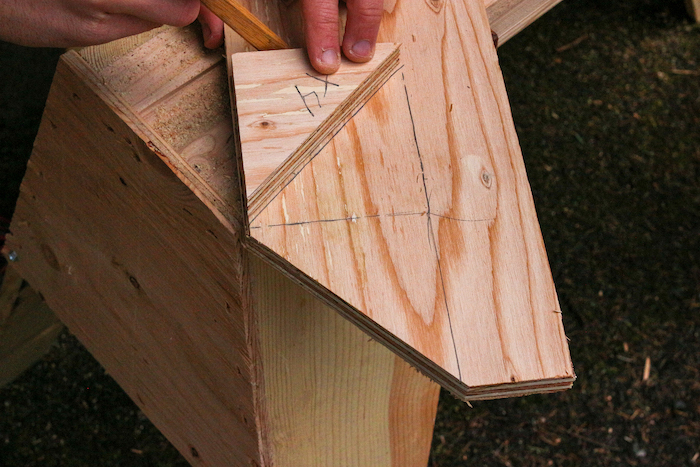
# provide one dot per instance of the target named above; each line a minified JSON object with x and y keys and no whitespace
{"x":486,"y":179}
{"x":266,"y":125}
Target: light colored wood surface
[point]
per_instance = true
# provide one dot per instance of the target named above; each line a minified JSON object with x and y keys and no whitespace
{"x":178,"y":90}
{"x":286,"y":110}
{"x":417,"y":221}
{"x":245,"y":23}
{"x":509,"y":17}
{"x":28,"y":328}
{"x":333,"y":396}
{"x":140,"y":269}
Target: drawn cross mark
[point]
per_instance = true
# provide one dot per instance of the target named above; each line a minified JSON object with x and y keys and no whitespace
{"x":304,"y":96}
{"x":318,"y":100}
{"x":324,"y":81}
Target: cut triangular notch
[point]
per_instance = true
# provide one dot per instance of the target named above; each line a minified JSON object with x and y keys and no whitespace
{"x":287,"y":110}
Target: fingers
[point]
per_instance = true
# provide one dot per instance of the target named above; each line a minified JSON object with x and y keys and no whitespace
{"x":361,"y":29}
{"x":321,"y":31}
{"x":212,"y":28}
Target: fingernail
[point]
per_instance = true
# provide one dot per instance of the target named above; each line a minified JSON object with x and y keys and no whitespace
{"x":330,"y":57}
{"x":362,"y":48}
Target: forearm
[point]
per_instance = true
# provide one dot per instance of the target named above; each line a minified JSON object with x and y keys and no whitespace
{"x":66,"y":23}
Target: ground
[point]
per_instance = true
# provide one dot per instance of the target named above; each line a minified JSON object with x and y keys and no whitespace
{"x":606,"y":100}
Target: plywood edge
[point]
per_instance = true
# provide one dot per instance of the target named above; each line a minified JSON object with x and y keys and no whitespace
{"x":233,"y":42}
{"x":103,"y":55}
{"x":508,"y":17}
{"x":226,"y":213}
{"x":281,"y":176}
{"x":417,"y":360}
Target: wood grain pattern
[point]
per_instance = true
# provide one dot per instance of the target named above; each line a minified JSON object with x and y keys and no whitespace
{"x":131,"y":336}
{"x":288,"y":110}
{"x":142,"y":271}
{"x":104,"y":55}
{"x":177,"y":89}
{"x":245,"y":23}
{"x":417,"y":219}
{"x":335,"y":397}
{"x":506,"y":17}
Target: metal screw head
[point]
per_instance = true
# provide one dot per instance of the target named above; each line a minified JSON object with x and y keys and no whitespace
{"x":12,"y":256}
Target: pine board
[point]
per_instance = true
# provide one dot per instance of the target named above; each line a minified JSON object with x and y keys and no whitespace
{"x":246,"y":24}
{"x":333,"y":396}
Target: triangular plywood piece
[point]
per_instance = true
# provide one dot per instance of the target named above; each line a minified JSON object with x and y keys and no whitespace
{"x":286,"y":110}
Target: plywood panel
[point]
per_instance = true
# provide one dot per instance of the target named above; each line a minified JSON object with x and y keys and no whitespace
{"x":140,"y":269}
{"x":417,"y":220}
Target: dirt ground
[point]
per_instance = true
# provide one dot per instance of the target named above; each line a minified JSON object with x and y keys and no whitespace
{"x":606,"y":99}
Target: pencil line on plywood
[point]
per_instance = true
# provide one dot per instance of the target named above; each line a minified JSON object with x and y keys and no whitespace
{"x":340,"y":128}
{"x":372,"y":216}
{"x":324,"y":81}
{"x":431,"y":232}
{"x":352,"y":218}
{"x":487,"y":219}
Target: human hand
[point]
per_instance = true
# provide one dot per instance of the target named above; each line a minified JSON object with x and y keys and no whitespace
{"x":68,"y":23}
{"x":321,"y":31}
